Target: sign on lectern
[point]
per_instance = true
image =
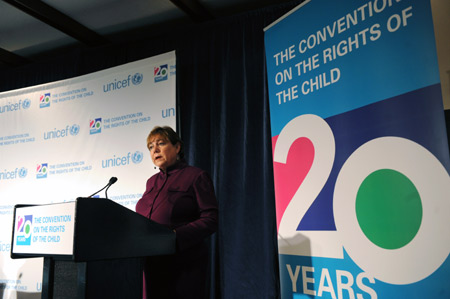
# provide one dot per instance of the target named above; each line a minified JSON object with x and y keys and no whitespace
{"x":44,"y":229}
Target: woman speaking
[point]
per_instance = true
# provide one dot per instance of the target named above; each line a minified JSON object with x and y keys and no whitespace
{"x":182,"y":198}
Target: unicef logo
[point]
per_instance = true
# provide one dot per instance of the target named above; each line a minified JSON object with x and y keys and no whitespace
{"x":26,"y":104}
{"x":137,"y":78}
{"x":23,"y":172}
{"x":74,"y":130}
{"x":137,"y":157}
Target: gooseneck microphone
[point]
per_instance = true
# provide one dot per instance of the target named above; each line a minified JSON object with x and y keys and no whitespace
{"x":111,"y":181}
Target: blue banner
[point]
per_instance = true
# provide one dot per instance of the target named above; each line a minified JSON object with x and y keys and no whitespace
{"x":361,"y":162}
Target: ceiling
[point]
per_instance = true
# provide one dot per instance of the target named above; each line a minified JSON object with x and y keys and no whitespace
{"x":32,"y":29}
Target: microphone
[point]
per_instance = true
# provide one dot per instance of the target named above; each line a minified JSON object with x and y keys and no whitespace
{"x":111,"y":181}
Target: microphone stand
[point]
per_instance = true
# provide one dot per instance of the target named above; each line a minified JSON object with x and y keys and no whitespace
{"x":111,"y":181}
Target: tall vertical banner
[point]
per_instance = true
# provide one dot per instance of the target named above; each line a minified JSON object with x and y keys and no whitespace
{"x":360,"y":153}
{"x":66,"y":139}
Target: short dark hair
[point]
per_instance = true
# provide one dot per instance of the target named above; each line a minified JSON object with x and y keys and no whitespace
{"x":168,"y":133}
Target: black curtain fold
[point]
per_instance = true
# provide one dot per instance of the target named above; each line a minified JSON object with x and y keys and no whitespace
{"x":230,"y":86}
{"x":224,"y":122}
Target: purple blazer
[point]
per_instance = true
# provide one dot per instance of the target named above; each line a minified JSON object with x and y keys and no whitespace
{"x":183,"y":199}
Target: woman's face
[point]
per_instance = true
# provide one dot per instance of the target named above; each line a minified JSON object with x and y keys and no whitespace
{"x":163,"y":152}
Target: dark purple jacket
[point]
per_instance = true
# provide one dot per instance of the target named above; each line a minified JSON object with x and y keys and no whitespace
{"x":183,"y":199}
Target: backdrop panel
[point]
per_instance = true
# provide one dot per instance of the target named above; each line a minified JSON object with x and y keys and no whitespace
{"x":65,"y":139}
{"x":360,"y":151}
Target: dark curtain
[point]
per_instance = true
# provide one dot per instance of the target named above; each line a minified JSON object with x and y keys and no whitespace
{"x":224,"y":122}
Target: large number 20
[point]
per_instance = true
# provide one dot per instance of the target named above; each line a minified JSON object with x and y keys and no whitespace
{"x":431,"y":244}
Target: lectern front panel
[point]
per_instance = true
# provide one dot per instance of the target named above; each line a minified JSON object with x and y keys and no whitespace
{"x":44,"y":229}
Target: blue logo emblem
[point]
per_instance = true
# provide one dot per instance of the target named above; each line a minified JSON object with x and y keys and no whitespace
{"x":161,"y":73}
{"x":44,"y":100}
{"x":137,"y":78}
{"x":137,"y":157}
{"x":74,"y":130}
{"x":23,"y":172}
{"x":41,"y":171}
{"x":26,"y":104}
{"x":95,"y":126}
{"x":24,"y":229}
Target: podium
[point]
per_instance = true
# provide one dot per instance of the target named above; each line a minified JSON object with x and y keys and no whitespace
{"x":92,"y":247}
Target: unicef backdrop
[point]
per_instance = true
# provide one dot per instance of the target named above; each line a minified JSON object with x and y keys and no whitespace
{"x":66,"y":139}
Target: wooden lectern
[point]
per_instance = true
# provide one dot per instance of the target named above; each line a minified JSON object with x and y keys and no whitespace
{"x":92,"y":247}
